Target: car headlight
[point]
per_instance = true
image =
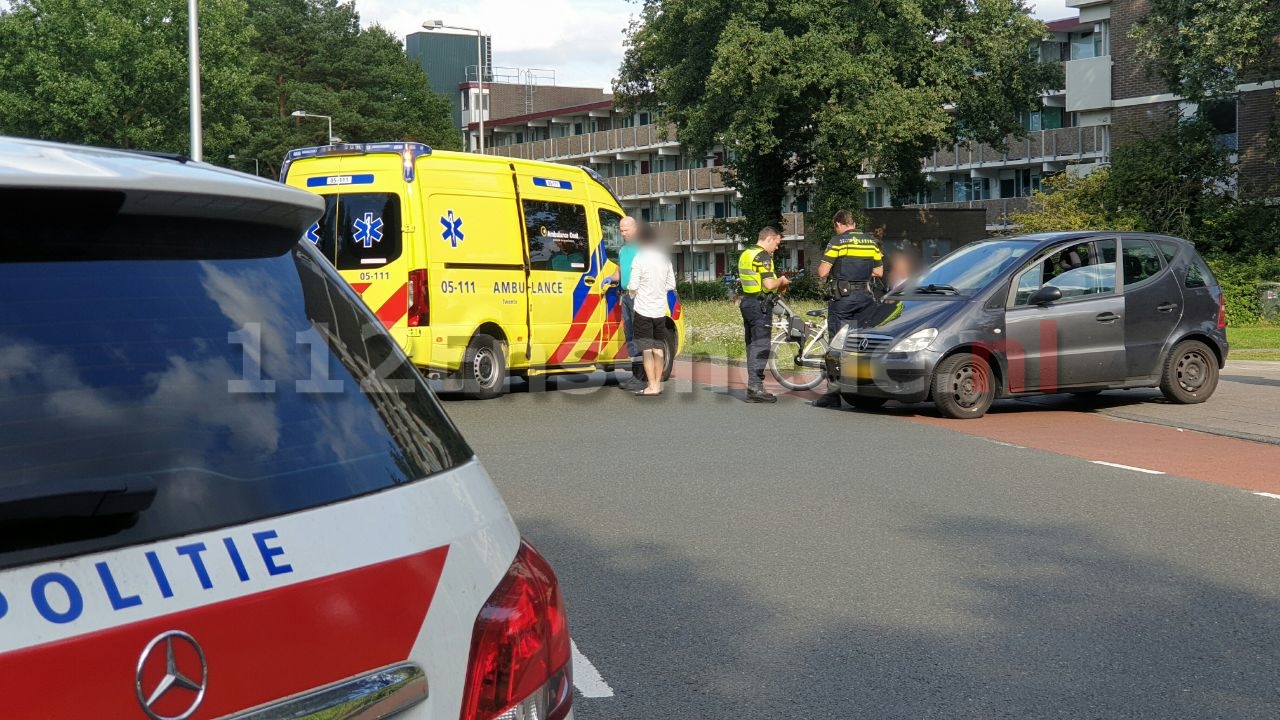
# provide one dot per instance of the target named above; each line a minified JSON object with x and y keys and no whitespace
{"x":916,"y":341}
{"x":837,"y":342}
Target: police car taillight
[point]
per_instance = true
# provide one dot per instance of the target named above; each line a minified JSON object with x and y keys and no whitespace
{"x":419,"y":303}
{"x":520,"y":658}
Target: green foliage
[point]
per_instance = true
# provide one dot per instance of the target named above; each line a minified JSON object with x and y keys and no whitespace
{"x":1065,"y":202}
{"x":808,"y":287}
{"x":1204,"y":48}
{"x":1239,"y":278}
{"x":697,"y":290}
{"x":115,"y":74}
{"x":816,"y":89}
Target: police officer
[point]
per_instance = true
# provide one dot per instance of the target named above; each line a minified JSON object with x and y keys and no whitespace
{"x":850,"y":261}
{"x":760,"y":284}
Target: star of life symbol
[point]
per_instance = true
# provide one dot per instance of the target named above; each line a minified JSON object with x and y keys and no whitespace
{"x":368,"y":230}
{"x":452,"y":229}
{"x":313,"y":233}
{"x":175,"y":678}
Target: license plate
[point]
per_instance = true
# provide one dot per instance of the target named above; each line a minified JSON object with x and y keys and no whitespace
{"x":860,"y":366}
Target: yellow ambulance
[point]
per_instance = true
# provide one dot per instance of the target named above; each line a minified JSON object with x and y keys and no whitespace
{"x":478,"y":266}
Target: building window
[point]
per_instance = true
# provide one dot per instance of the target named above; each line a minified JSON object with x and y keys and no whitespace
{"x":1083,"y":45}
{"x":644,"y":118}
{"x":874,"y":197}
{"x":577,"y":128}
{"x":1223,"y":117}
{"x":701,"y":263}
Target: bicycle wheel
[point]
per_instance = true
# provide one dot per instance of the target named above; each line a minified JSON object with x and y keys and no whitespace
{"x":783,"y":354}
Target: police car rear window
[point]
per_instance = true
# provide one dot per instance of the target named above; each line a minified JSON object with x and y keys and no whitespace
{"x":359,"y":230}
{"x":244,"y":385}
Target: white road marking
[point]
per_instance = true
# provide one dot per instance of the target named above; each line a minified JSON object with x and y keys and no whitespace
{"x":1006,"y":444}
{"x":1126,"y":467}
{"x":586,"y":678}
{"x":1273,"y":496}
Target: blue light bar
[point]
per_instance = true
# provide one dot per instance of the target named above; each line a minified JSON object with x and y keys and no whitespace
{"x":409,"y":152}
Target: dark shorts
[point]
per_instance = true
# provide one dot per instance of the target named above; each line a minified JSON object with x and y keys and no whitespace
{"x":650,"y":333}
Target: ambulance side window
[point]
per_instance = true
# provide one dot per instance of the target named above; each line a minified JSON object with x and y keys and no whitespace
{"x":558,"y":238}
{"x":610,"y":225}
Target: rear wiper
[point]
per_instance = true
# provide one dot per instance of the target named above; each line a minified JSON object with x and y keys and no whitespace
{"x":937,"y":290}
{"x":77,"y":498}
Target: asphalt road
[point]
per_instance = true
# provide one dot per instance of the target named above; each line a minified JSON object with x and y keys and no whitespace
{"x":723,"y":560}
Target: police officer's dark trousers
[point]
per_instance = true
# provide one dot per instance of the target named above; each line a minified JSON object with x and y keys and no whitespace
{"x":846,"y":310}
{"x":756,"y":322}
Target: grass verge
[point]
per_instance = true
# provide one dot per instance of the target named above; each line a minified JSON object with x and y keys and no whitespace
{"x":715,"y":327}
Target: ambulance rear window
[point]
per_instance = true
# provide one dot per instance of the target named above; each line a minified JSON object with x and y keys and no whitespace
{"x":359,"y":230}
{"x":226,"y":363}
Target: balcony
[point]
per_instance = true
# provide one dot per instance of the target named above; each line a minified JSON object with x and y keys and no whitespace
{"x":1089,"y":83}
{"x":580,"y":148}
{"x":1040,"y":146}
{"x":676,"y":183}
{"x":701,"y":232}
{"x":997,"y":210}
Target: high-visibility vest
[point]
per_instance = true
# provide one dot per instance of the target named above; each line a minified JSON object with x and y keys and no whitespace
{"x":750,"y":271}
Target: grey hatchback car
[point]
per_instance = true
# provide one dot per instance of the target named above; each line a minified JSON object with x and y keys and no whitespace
{"x":1077,"y":312}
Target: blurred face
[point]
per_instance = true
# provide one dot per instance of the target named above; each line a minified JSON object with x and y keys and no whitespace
{"x":771,"y":243}
{"x":628,"y":229}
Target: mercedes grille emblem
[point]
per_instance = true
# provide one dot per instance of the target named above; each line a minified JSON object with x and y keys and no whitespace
{"x":177,"y":654}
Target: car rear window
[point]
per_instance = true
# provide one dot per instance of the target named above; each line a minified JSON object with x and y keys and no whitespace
{"x":1198,"y":273}
{"x":359,"y":230}
{"x":225,"y":362}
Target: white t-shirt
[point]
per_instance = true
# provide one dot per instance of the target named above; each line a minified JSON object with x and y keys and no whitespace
{"x":651,"y":279}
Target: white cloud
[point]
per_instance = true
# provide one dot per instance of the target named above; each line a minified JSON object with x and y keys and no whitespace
{"x":580,"y":39}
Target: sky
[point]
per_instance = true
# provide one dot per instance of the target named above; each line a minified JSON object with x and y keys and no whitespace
{"x":580,"y":39}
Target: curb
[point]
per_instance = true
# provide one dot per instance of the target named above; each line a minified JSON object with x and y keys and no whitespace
{"x":1205,"y":429}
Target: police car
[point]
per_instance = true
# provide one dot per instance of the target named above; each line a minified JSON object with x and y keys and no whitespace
{"x":224,"y":491}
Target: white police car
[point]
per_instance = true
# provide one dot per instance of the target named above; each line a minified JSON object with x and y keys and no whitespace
{"x":223,"y":490}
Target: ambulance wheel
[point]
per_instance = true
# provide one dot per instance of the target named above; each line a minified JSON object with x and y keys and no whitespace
{"x":484,"y":368}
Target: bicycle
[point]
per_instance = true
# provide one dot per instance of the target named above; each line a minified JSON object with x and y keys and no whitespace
{"x":798,"y":348}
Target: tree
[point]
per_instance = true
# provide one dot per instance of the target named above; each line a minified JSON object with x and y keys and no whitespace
{"x":312,"y":55}
{"x":1069,"y":202}
{"x":818,"y":91}
{"x":115,"y":73}
{"x":1204,"y":48}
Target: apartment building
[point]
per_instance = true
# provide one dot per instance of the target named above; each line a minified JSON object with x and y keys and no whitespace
{"x":1106,"y":97}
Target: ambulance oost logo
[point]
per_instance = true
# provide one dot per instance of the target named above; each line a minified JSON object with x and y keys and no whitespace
{"x":172,"y":676}
{"x":452,"y":229}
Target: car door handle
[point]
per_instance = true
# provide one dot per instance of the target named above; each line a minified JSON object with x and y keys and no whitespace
{"x":588,"y":281}
{"x":1167,"y":307}
{"x":1107,"y":317}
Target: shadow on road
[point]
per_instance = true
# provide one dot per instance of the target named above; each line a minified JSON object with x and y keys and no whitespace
{"x":1014,"y":621}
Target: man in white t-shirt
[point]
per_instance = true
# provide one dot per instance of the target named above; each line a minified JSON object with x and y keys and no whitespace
{"x":652,"y":277}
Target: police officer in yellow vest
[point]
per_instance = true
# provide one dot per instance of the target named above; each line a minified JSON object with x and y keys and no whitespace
{"x":850,"y":261}
{"x":760,"y":284}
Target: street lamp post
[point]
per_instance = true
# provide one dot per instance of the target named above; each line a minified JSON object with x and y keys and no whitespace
{"x":193,"y":67}
{"x":305,"y":114}
{"x":439,"y":25}
{"x":255,"y":163}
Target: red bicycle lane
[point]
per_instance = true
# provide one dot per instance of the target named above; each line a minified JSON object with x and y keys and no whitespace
{"x":1079,"y":433}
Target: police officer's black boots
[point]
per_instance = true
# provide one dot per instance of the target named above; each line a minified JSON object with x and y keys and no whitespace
{"x":830,"y":400}
{"x":757,"y":394}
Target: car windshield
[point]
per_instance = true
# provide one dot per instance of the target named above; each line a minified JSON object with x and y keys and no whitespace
{"x":968,"y":269}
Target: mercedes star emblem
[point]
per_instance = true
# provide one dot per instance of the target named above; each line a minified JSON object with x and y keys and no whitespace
{"x":178,"y":687}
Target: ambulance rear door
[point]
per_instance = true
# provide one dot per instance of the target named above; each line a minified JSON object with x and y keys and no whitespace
{"x":368,"y":231}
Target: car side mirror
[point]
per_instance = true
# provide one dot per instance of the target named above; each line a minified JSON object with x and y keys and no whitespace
{"x":1046,"y":295}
